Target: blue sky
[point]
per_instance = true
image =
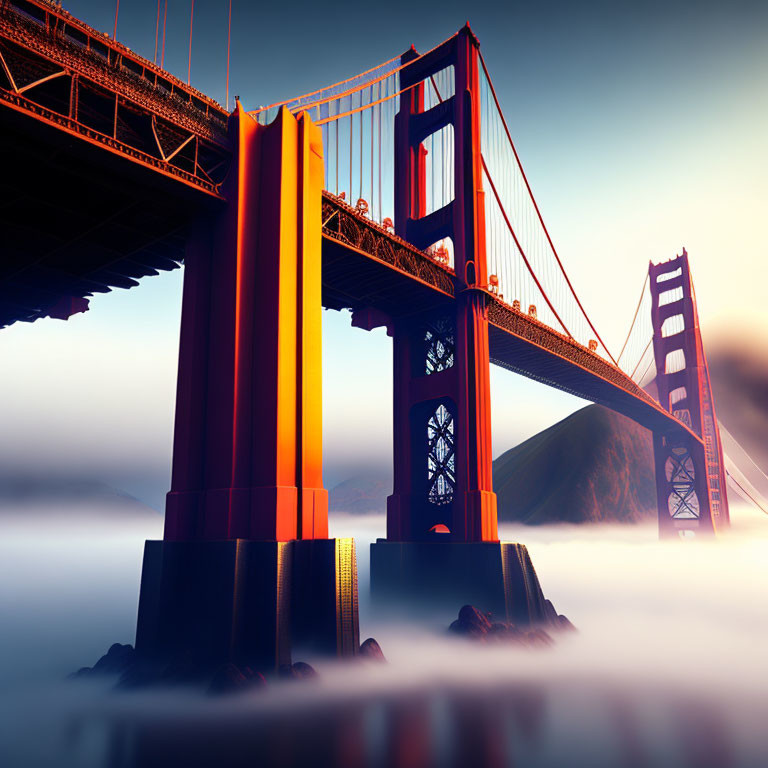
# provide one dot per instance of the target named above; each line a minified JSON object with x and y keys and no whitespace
{"x":641,"y":127}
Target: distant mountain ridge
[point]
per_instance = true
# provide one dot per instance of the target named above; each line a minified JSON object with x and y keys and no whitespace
{"x":361,"y":495}
{"x":18,"y":491}
{"x":594,"y":466}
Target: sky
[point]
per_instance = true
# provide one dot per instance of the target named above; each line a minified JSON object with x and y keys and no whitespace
{"x":641,"y":127}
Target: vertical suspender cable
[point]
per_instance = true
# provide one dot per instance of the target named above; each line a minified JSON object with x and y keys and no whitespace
{"x":381,"y":199}
{"x":157,"y":30}
{"x":538,"y":212}
{"x":189,"y":55}
{"x":359,"y":197}
{"x":336,"y":133}
{"x":372,"y":110}
{"x":165,"y":22}
{"x":229,"y":39}
{"x":117,"y":8}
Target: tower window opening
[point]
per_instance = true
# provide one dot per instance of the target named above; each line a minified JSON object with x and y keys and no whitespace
{"x":441,"y":457}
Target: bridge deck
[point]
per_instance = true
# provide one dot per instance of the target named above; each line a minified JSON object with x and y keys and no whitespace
{"x":101,"y":204}
{"x":78,"y":220}
{"x":364,"y":265}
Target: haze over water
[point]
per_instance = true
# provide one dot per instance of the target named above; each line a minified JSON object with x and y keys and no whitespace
{"x":642,"y":129}
{"x":668,"y":666}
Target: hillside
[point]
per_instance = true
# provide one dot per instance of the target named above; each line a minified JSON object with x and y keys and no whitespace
{"x":364,"y":494}
{"x":594,"y":466}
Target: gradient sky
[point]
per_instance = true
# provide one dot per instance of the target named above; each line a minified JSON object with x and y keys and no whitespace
{"x":641,"y":127}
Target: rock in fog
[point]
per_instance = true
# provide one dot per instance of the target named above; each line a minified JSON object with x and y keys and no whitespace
{"x":370,"y":649}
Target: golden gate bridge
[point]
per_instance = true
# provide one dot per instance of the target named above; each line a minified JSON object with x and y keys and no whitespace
{"x":397,"y":194}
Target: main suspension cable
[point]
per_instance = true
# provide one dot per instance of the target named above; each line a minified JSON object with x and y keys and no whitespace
{"x":536,"y":207}
{"x":520,"y":248}
{"x":634,"y":318}
{"x":354,"y":88}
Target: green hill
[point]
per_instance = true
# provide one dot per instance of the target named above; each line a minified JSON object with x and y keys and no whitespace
{"x":594,"y":466}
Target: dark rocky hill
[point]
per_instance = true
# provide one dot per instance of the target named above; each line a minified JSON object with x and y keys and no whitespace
{"x":594,"y":466}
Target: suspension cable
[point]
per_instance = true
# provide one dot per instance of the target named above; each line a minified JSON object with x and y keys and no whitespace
{"x":746,"y":492}
{"x":640,"y":360}
{"x":354,"y":88}
{"x":520,"y":248}
{"x":637,"y":310}
{"x":229,"y":38}
{"x":157,"y":30}
{"x":535,"y":205}
{"x":328,"y":87}
{"x":360,"y":108}
{"x":117,"y":9}
{"x":189,"y":55}
{"x":165,"y":24}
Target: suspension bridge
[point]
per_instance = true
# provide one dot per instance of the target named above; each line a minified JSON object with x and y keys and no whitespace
{"x":397,"y":194}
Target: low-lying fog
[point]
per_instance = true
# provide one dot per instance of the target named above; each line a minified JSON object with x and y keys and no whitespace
{"x":668,"y":667}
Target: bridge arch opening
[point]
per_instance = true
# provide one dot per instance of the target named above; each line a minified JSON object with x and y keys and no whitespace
{"x":677,"y":395}
{"x":440,"y":529}
{"x":664,"y":276}
{"x":670,"y":296}
{"x":672,"y":326}
{"x":438,"y":151}
{"x":674,"y":361}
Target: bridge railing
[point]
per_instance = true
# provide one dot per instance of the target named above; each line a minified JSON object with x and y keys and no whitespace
{"x":61,"y":71}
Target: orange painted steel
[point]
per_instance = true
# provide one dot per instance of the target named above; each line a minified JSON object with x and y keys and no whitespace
{"x":247,"y":451}
{"x":136,"y":88}
{"x":480,"y":513}
{"x":356,"y":234}
{"x":691,"y":491}
{"x":250,"y":351}
{"x":462,"y":387}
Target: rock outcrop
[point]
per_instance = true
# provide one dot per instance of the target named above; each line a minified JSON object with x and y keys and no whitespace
{"x":116,"y":661}
{"x":370,"y":649}
{"x":229,"y":678}
{"x":472,"y":623}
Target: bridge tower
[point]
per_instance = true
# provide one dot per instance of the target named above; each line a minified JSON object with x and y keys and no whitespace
{"x":690,"y":475}
{"x":442,"y":543}
{"x":246,"y":570}
{"x":442,"y":410}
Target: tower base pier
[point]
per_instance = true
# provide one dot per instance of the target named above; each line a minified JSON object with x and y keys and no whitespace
{"x":247,"y":602}
{"x":436,"y":578}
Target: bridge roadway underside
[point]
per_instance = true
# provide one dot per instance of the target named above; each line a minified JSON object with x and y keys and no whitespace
{"x":355,"y":280}
{"x":528,"y":359}
{"x":76,"y":219}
